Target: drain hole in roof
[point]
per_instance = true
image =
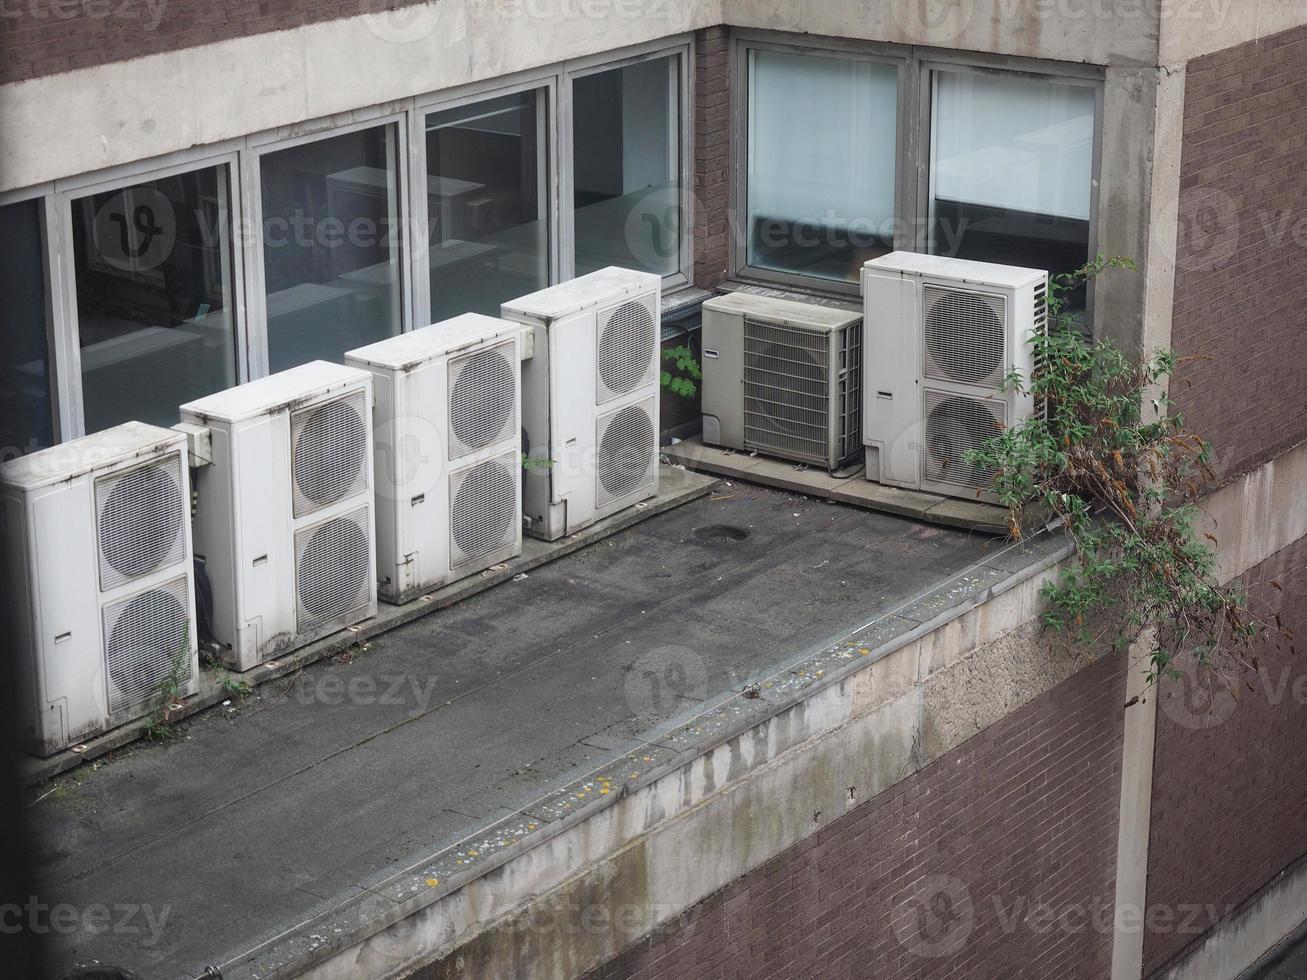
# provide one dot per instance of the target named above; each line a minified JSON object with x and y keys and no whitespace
{"x":720,"y":534}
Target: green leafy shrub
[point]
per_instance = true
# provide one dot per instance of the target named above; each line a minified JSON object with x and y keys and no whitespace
{"x":1111,"y":459}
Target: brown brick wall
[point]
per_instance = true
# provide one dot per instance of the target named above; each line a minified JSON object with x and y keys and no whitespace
{"x":1241,"y":284}
{"x":1008,"y":842}
{"x":1230,"y":783}
{"x":43,"y":37}
{"x":712,"y":131}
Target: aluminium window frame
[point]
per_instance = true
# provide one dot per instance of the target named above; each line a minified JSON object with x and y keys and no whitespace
{"x":682,"y":47}
{"x":546,"y":83}
{"x":260,"y":145}
{"x":62,"y":405}
{"x":913,"y":159}
{"x":1060,"y":73}
{"x":742,"y":43}
{"x":68,"y":190}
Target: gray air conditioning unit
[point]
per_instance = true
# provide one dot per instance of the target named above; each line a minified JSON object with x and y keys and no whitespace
{"x":782,"y":378}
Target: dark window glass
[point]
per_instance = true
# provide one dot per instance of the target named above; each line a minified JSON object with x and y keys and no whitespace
{"x":626,"y":167}
{"x":154,"y":309}
{"x":331,"y":250}
{"x":25,"y":417}
{"x":1011,"y":171}
{"x":487,"y":204}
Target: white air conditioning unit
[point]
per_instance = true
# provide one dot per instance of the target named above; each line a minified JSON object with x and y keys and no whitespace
{"x":99,"y":599}
{"x":590,"y":397}
{"x":942,"y":336}
{"x":782,"y":378}
{"x":285,"y":519}
{"x":448,"y":456}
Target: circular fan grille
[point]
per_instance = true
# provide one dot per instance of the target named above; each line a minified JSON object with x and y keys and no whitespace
{"x":626,"y":451}
{"x":964,"y":336}
{"x":482,"y":514}
{"x":329,"y":452}
{"x":953,"y":427}
{"x":333,"y":568}
{"x":145,"y":642}
{"x":626,"y":347}
{"x":140,"y":521}
{"x":481,"y":399}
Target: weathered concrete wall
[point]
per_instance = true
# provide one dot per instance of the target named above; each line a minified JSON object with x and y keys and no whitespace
{"x":994,"y":861}
{"x":575,"y":902}
{"x":81,"y":121}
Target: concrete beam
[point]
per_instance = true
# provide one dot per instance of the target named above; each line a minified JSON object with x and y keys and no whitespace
{"x":1193,"y":28}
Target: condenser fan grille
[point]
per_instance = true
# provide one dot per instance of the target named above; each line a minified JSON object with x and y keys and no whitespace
{"x":628,"y":336}
{"x":483,"y":513}
{"x":954,"y":425}
{"x":964,"y":336}
{"x":332,"y":567}
{"x":139,"y":521}
{"x":482,"y":397}
{"x":147,"y":637}
{"x":787,"y":391}
{"x":329,"y":446}
{"x":628,"y":447}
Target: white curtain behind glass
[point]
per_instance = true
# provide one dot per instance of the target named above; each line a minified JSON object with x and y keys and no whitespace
{"x":822,"y":136}
{"x":1013,"y":143}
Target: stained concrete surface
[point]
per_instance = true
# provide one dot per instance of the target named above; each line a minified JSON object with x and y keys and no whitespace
{"x":326,"y":782}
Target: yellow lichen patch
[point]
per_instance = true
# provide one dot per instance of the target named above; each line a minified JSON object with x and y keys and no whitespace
{"x":432,"y":882}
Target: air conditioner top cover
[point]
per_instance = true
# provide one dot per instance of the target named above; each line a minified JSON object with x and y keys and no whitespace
{"x":958,"y":270}
{"x":803,"y":316}
{"x":110,"y":447}
{"x":600,"y":288}
{"x":277,"y":391}
{"x":447,"y":337}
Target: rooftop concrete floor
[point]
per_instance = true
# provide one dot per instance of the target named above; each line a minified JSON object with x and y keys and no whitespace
{"x":273,"y":811}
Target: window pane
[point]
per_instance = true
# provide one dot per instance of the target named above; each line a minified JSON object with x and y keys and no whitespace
{"x":626,"y":165}
{"x":331,"y":257}
{"x":25,"y":419}
{"x":487,"y":199}
{"x":1011,"y":170}
{"x":154,"y":309}
{"x":822,"y":149}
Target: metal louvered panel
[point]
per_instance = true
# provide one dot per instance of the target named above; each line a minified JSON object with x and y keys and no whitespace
{"x":625,"y":347}
{"x":483,"y":509}
{"x":1040,"y":330}
{"x":146,"y":637}
{"x":953,"y":425}
{"x":627,"y":442}
{"x":964,"y":336}
{"x":328,"y":449}
{"x":333,"y":563}
{"x":849,"y":398}
{"x":140,"y":519}
{"x":787,"y":391}
{"x":482,"y":399}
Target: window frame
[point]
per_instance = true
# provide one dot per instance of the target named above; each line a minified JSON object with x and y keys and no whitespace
{"x":271,"y":141}
{"x":912,"y":178}
{"x":63,"y":407}
{"x":597,"y":64}
{"x":545,"y":82}
{"x":69,"y":190}
{"x":1058,"y":73}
